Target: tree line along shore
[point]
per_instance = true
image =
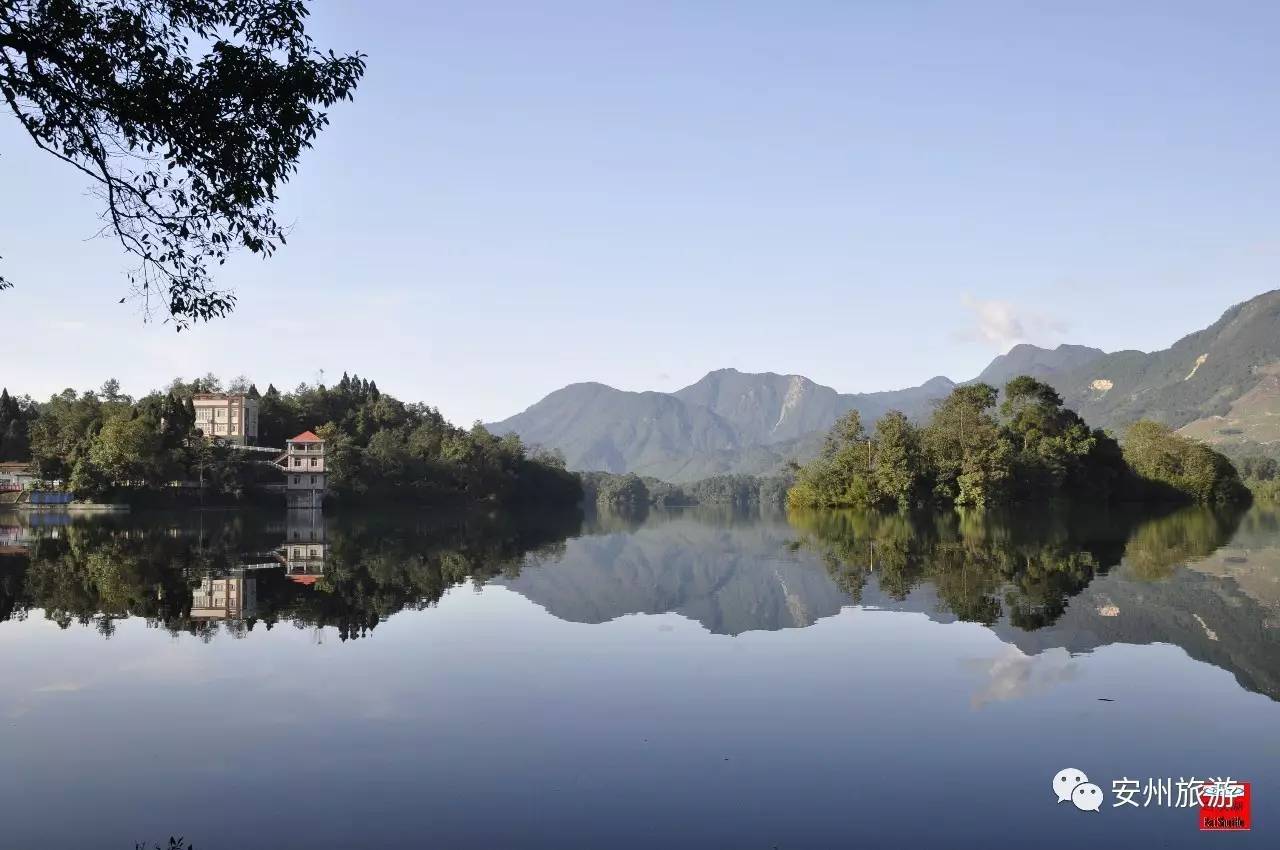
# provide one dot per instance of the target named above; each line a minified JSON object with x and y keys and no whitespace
{"x":981,"y":447}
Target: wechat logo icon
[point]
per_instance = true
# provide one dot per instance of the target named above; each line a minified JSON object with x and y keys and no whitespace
{"x":1072,"y":786}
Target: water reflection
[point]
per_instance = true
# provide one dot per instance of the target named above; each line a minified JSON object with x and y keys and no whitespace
{"x":201,"y":573}
{"x":1050,"y":584}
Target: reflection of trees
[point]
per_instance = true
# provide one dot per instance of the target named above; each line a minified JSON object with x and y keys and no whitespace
{"x":987,"y":564}
{"x":609,"y":519}
{"x":1161,"y":545}
{"x":95,"y":573}
{"x":374,"y":570}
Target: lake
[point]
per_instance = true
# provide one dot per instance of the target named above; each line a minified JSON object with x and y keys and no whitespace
{"x":699,"y":678}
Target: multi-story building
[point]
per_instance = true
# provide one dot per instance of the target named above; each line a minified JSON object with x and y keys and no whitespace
{"x":304,"y":472}
{"x":227,"y":416}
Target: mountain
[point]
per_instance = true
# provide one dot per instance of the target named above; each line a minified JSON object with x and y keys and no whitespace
{"x":1220,"y":384}
{"x":601,"y":428}
{"x":1042,"y":363}
{"x":727,"y":422}
{"x":768,"y":408}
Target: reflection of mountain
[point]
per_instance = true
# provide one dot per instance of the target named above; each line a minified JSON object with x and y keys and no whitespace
{"x":1218,"y":605}
{"x":731,"y":579}
{"x":1056,"y":582}
{"x":736,"y":578}
{"x":1210,"y":618}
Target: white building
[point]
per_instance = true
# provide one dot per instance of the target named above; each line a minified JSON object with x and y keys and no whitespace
{"x":227,"y":416}
{"x":304,"y":471}
{"x":17,"y":476}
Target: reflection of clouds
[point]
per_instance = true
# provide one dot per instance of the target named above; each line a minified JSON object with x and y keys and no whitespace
{"x":1015,"y":675}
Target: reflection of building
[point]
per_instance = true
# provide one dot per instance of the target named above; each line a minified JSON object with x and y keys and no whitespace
{"x":228,"y":598}
{"x":304,"y":471}
{"x":228,"y":416}
{"x":17,"y":535}
{"x":14,"y":540}
{"x":304,"y":548}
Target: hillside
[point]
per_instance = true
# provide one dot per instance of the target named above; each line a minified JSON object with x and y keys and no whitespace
{"x":727,"y":422}
{"x":768,"y":408}
{"x":1214,"y":382}
{"x":602,"y":428}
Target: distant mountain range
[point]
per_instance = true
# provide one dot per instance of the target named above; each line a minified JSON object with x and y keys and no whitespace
{"x":1220,"y":384}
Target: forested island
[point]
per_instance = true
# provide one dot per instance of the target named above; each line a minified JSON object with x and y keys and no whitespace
{"x":981,"y":448}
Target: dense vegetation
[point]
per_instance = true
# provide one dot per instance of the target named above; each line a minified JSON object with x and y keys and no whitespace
{"x":105,"y":443}
{"x":16,"y":415}
{"x":1030,"y":447}
{"x":1166,"y":462}
{"x":1259,"y":466}
{"x":630,"y":491}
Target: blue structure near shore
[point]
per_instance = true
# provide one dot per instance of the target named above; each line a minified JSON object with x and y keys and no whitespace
{"x":48,"y":497}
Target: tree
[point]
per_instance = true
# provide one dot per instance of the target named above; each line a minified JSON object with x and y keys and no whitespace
{"x":841,"y":475}
{"x":187,"y":117}
{"x":15,"y":423}
{"x":899,"y":470}
{"x":61,"y":433}
{"x":1054,"y":446}
{"x":110,"y":391}
{"x":127,"y":451}
{"x":623,"y":491}
{"x":971,"y":458}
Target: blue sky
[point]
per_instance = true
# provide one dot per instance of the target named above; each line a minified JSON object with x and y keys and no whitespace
{"x":526,"y":195}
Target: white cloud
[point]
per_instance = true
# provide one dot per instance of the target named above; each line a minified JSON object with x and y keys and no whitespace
{"x":1003,"y":324}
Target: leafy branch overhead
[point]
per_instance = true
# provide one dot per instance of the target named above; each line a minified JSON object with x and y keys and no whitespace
{"x":188,"y":116}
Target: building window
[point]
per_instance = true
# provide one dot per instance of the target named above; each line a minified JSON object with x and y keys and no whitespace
{"x":315,"y":461}
{"x":297,"y":461}
{"x":313,"y":479}
{"x":296,"y":479}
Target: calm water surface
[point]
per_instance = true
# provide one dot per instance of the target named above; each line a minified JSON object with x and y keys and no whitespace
{"x":696,"y":679}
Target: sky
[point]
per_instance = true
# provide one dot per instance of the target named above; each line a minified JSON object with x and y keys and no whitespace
{"x":527,"y":195}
